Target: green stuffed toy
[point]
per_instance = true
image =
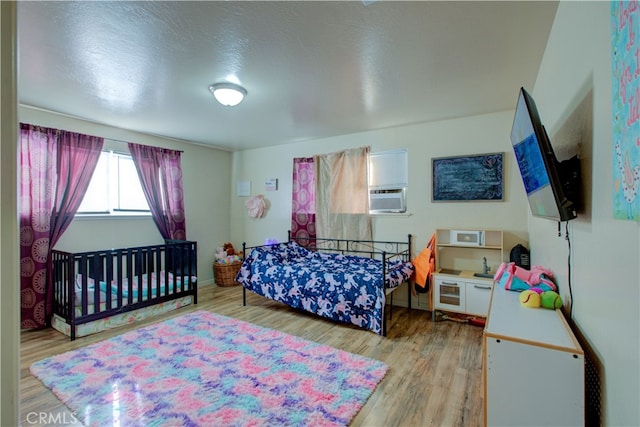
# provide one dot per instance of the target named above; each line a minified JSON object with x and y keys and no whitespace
{"x":550,"y":300}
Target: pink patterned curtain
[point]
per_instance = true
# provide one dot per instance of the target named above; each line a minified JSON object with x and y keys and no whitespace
{"x":55,"y":170}
{"x":38,"y":147}
{"x":303,"y":210}
{"x":160,"y":174}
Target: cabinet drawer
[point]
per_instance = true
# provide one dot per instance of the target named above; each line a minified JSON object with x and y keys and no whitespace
{"x":449,"y":294}
{"x":478,"y":295}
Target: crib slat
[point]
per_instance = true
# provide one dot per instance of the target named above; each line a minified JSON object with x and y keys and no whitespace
{"x":168,"y":262}
{"x":158,"y":253}
{"x":97,"y":275}
{"x":139,"y":263}
{"x":130,"y":276}
{"x":118,"y":278}
{"x":83,"y":272}
{"x":109,"y":279}
{"x":149,"y":257}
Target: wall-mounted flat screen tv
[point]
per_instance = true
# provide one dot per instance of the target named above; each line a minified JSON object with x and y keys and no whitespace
{"x":548,"y":183}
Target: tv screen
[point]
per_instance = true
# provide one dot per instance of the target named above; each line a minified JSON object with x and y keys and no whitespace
{"x":538,"y":165}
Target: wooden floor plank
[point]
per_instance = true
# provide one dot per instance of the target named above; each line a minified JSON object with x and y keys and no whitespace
{"x":434,"y":377}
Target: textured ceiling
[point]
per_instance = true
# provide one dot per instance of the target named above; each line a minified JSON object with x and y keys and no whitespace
{"x":312,"y":69}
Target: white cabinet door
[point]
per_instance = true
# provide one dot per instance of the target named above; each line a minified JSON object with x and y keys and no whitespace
{"x":533,"y":366}
{"x":478,"y":295}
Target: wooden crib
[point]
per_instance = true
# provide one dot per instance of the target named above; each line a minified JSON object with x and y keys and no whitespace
{"x":93,"y":286}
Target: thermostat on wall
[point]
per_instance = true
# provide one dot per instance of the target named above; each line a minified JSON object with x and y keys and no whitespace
{"x":271,"y":184}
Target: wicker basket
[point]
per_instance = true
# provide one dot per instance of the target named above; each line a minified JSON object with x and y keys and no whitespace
{"x":225,"y":274}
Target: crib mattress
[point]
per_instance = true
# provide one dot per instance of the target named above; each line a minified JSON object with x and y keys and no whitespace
{"x":158,"y":288}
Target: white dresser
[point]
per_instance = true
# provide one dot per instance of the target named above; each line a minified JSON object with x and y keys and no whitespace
{"x":533,"y":366}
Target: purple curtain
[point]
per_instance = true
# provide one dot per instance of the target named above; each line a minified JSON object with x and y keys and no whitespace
{"x":160,"y":174}
{"x":303,"y":208}
{"x":77,"y":158}
{"x":55,"y":170}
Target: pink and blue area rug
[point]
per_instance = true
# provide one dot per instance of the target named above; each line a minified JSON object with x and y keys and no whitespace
{"x":204,"y":369}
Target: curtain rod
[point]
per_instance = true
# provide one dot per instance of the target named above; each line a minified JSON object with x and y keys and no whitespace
{"x":105,"y":138}
{"x":129,"y":142}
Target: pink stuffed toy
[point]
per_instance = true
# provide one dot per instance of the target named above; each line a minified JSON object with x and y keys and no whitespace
{"x":520,"y":279}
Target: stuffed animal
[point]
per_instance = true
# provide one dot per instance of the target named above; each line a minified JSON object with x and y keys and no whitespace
{"x":220,"y":253}
{"x":514,"y":278}
{"x":228,"y":247}
{"x":226,"y":254}
{"x":530,"y":299}
{"x":550,"y":300}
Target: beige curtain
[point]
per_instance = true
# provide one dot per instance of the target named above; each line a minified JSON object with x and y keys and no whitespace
{"x":342,"y":195}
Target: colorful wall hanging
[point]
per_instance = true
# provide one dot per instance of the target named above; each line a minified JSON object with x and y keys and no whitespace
{"x":625,"y":69}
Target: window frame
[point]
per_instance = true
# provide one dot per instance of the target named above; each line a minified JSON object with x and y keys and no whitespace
{"x":113,"y":187}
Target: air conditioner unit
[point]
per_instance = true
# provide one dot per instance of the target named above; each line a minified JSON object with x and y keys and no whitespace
{"x":387,"y":201}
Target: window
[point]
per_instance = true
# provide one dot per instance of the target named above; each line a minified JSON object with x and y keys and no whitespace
{"x":114,"y":188}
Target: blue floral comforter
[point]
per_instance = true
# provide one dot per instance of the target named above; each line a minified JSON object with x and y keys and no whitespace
{"x":339,"y":287}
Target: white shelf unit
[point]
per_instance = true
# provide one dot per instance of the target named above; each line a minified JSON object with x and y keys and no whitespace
{"x":469,"y":257}
{"x":533,"y":367}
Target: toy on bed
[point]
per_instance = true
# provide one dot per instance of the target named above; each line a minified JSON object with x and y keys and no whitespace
{"x":92,"y":289}
{"x":342,"y":280}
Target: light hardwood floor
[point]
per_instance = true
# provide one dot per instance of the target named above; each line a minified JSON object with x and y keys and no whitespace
{"x":435,"y":375}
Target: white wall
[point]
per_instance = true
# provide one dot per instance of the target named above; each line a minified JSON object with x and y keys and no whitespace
{"x":574,"y":87}
{"x":470,"y":135}
{"x":206,"y":180}
{"x":9,"y":258}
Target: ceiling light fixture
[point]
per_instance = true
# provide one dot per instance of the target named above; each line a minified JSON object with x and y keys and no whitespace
{"x":228,"y":94}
